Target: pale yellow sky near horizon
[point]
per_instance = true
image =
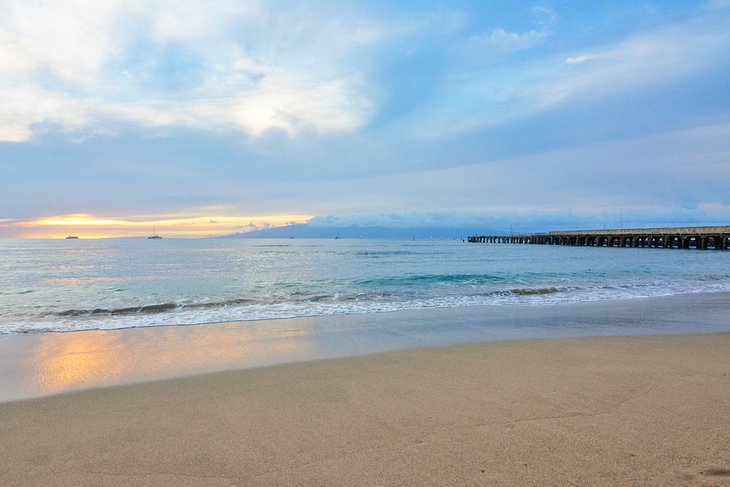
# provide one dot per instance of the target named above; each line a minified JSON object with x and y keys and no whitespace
{"x":85,"y":225}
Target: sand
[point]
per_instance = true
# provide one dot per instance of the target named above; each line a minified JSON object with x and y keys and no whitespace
{"x":41,"y":364}
{"x":585,"y":411}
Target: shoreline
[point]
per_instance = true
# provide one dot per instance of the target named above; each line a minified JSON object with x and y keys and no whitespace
{"x":639,"y":410}
{"x":142,"y":316}
{"x":202,"y":374}
{"x":35,"y":365}
{"x":375,"y":312}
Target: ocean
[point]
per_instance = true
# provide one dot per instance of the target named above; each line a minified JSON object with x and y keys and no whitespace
{"x":71,"y":285}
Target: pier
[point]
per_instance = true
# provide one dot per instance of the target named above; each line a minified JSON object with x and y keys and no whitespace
{"x":701,"y":238}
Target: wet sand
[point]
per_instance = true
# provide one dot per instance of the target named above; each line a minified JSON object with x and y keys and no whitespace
{"x":652,"y":410}
{"x":33,"y":365}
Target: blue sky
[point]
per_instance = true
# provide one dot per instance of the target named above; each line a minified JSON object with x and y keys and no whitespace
{"x":205,"y":119}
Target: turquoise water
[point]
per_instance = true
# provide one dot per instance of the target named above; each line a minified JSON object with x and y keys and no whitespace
{"x":67,"y":285}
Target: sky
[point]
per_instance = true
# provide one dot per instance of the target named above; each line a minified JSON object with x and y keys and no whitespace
{"x":191,"y":118}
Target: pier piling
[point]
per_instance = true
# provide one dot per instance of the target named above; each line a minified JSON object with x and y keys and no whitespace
{"x":699,"y":238}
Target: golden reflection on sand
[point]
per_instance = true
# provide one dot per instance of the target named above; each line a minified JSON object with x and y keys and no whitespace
{"x":74,"y":359}
{"x":67,"y":361}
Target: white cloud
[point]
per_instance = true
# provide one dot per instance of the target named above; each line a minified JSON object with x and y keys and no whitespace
{"x":584,"y":58}
{"x":183,"y":20}
{"x":596,"y":177}
{"x":250,"y":67}
{"x":646,"y":59}
{"x":287,"y":101}
{"x":254,"y":69}
{"x":24,"y":108}
{"x":70,"y":39}
{"x":500,"y":42}
{"x":525,"y":219}
{"x":486,"y":96}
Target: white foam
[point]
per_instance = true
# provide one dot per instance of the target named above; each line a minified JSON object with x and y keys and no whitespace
{"x":335,"y":306}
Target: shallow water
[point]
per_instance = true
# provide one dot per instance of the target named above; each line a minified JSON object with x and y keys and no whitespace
{"x":38,"y":364}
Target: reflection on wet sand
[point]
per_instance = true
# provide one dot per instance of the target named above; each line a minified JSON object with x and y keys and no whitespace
{"x":75,"y":360}
{"x":59,"y":362}
{"x":35,"y":365}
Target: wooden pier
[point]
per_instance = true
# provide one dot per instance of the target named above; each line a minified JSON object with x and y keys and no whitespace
{"x":701,"y":238}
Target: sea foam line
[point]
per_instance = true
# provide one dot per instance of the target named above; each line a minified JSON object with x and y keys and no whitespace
{"x":206,"y":314}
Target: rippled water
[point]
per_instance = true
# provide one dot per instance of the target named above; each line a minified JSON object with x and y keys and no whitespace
{"x":64,"y":285}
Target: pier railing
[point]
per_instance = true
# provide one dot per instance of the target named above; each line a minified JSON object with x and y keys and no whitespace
{"x":701,"y":238}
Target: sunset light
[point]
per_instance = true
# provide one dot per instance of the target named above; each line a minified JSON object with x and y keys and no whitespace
{"x":86,"y":225}
{"x":364,"y":242}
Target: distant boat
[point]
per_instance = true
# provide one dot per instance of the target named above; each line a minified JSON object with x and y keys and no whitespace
{"x":155,"y":236}
{"x":72,"y":237}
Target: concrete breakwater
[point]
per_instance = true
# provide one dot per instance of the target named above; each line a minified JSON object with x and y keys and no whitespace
{"x":701,"y":238}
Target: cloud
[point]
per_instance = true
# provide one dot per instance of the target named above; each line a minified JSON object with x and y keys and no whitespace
{"x":181,"y":225}
{"x":26,"y":109}
{"x":245,"y":67}
{"x":528,"y":220}
{"x":499,"y":42}
{"x":593,"y":178}
{"x":349,"y":108}
{"x":652,"y":58}
{"x":483,"y":96}
{"x":250,"y":68}
{"x":71,"y":39}
{"x":581,"y":59}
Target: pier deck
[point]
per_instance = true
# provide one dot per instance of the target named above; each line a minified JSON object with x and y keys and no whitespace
{"x":701,"y":238}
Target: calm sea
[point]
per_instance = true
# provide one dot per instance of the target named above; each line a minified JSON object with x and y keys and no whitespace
{"x":67,"y":285}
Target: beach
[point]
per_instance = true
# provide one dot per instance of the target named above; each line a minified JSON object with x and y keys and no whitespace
{"x":649,"y":410}
{"x":364,"y":243}
{"x":42,"y":364}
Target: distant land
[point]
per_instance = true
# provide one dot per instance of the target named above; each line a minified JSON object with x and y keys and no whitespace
{"x":305,"y":230}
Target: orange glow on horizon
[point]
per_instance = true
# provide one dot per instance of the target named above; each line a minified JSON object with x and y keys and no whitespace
{"x":86,"y":225}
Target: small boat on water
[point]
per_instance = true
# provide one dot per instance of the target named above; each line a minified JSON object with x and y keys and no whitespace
{"x":155,"y":236}
{"x":72,"y":237}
